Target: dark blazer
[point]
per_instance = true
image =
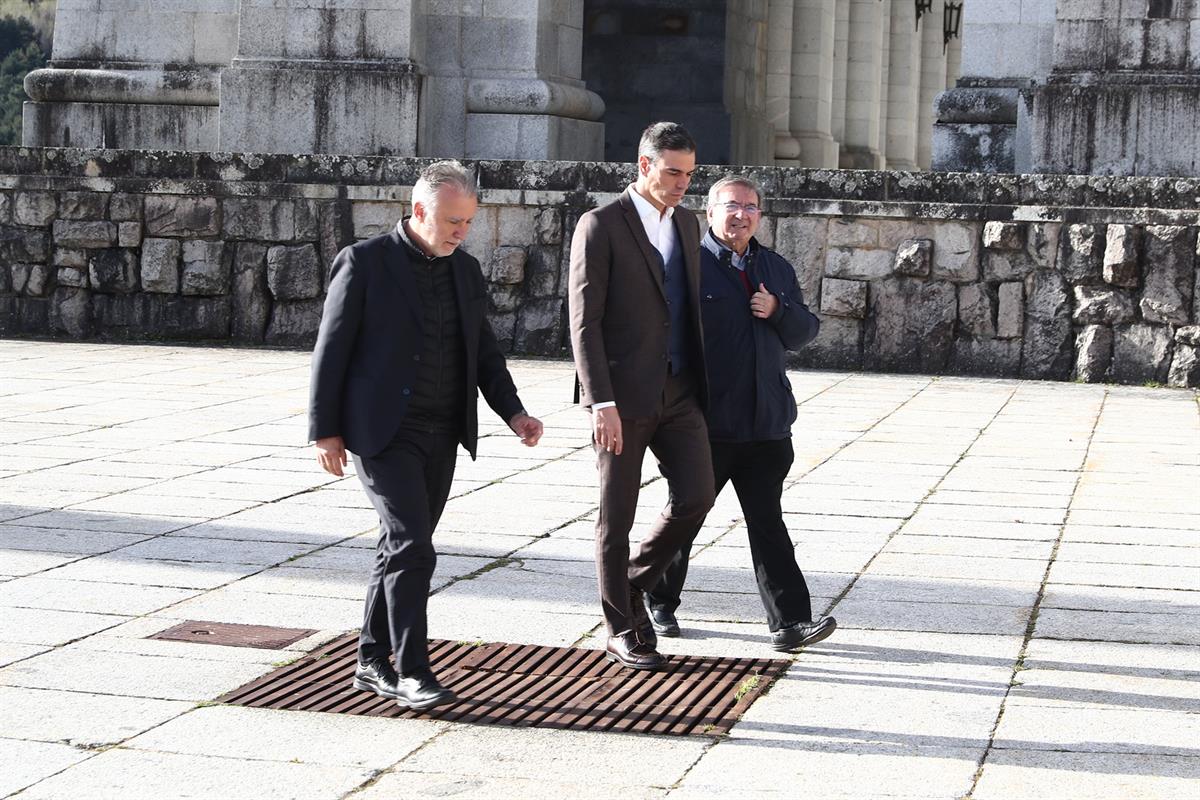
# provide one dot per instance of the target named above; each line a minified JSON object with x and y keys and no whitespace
{"x":369,"y":344}
{"x":750,"y":398}
{"x":618,"y":308}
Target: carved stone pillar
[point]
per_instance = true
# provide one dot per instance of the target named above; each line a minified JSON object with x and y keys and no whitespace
{"x":860,"y":142}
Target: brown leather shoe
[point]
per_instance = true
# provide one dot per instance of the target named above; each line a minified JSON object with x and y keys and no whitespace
{"x":628,"y":651}
{"x":639,"y":617}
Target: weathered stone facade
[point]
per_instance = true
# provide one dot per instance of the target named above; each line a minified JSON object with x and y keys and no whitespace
{"x":1052,"y":277}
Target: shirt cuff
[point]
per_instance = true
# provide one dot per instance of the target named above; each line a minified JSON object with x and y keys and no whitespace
{"x":606,"y":404}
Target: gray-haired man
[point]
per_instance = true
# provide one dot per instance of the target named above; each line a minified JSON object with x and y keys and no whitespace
{"x":403,"y":351}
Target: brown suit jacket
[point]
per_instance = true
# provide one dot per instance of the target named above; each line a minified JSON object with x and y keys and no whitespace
{"x":618,"y":308}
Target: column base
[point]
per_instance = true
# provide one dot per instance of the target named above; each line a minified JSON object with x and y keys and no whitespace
{"x":133,"y":126}
{"x":533,"y":136}
{"x":818,"y":150}
{"x":349,"y":108}
{"x":859,"y":158}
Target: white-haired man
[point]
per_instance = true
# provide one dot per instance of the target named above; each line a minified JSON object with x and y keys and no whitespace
{"x":403,"y":350}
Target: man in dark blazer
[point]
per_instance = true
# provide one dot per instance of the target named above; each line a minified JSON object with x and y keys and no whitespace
{"x":752,"y":312}
{"x":403,"y":352}
{"x":639,"y":356}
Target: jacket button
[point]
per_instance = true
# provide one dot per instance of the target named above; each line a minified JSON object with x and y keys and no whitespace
{"x":417,"y":357}
{"x":406,"y":391}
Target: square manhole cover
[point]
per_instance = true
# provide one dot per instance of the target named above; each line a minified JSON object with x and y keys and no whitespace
{"x":531,"y":685}
{"x":233,"y":634}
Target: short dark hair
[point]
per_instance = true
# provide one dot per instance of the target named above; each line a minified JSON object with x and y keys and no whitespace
{"x":665,"y":136}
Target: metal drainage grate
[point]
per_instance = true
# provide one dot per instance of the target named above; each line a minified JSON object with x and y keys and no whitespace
{"x":232,"y":634}
{"x":533,"y":686}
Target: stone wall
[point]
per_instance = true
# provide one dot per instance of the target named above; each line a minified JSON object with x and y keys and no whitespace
{"x":1053,"y":277}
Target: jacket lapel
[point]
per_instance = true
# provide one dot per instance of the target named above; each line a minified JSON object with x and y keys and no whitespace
{"x":649,"y":253}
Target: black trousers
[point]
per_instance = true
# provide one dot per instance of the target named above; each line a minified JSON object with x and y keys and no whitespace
{"x":408,"y":484}
{"x":758,"y":470}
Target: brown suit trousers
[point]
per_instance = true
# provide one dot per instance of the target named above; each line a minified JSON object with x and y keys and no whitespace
{"x":620,"y":326}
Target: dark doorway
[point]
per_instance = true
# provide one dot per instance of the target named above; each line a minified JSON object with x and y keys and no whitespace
{"x":658,"y":59}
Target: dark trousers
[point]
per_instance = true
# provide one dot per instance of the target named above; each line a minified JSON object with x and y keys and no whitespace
{"x":678,"y":437}
{"x":408,"y":484}
{"x":758,"y":470}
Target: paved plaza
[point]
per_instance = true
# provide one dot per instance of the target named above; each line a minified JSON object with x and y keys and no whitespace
{"x":1014,"y":566}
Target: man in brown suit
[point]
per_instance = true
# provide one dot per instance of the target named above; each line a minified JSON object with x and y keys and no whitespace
{"x":639,"y":355}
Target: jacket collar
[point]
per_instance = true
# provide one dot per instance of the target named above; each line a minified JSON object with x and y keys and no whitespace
{"x":714,"y":245}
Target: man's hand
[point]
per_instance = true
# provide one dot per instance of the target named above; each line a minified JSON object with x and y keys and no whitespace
{"x":763,"y":304}
{"x":331,"y":454}
{"x":606,"y":429}
{"x":527,"y":427}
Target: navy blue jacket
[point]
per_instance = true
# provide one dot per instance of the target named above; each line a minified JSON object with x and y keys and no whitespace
{"x":750,"y":398}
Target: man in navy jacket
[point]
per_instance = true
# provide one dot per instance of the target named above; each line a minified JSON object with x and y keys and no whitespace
{"x":752,"y":312}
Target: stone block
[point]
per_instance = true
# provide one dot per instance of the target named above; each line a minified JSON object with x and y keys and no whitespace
{"x":31,"y":280}
{"x":251,"y":298}
{"x":1170,"y":274}
{"x":267,"y":220}
{"x":504,"y":298}
{"x":956,"y":252}
{"x":83,"y":234}
{"x":843,"y":298}
{"x":539,"y":328}
{"x":1093,"y":353}
{"x":977,"y":310}
{"x":1046,"y":351}
{"x":548,"y":226}
{"x":113,"y":271}
{"x":129,"y":234}
{"x":172,"y":215}
{"x":6,"y":285}
{"x":371,"y":219}
{"x":69,"y":257}
{"x":82,"y":205}
{"x":160,"y":265}
{"x":838,"y":345}
{"x":307,"y":221}
{"x":294,"y":323}
{"x":506,"y":265}
{"x":206,"y":268}
{"x":5,"y":207}
{"x":1121,"y":255}
{"x":801,"y":240}
{"x":1185,"y":366}
{"x":71,"y":312}
{"x":544,"y":272}
{"x":72,"y":276}
{"x":853,"y":233}
{"x":23,"y":245}
{"x":1081,"y":254}
{"x":992,"y":357}
{"x":294,"y":273}
{"x":911,"y":325}
{"x":125,"y":207}
{"x":1188,"y":334}
{"x":1010,"y":318}
{"x":973,"y":147}
{"x":517,"y":226}
{"x":1141,"y":354}
{"x":858,"y":264}
{"x":34,"y":208}
{"x":336,"y":231}
{"x":914,"y":257}
{"x":1097,"y":305}
{"x":1003,"y":235}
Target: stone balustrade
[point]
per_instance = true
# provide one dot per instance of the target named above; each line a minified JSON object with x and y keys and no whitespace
{"x":1054,"y":277}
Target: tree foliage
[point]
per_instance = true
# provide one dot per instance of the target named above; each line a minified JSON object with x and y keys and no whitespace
{"x":20,"y":52}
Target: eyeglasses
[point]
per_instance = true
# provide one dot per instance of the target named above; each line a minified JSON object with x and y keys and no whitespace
{"x":732,"y":208}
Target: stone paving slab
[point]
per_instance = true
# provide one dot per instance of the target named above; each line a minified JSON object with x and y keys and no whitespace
{"x":142,"y":486}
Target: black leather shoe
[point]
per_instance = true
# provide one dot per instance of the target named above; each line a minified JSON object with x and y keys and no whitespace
{"x":664,"y":622}
{"x":793,"y":637}
{"x":640,"y":619}
{"x":378,"y":676}
{"x":628,"y":650}
{"x":421,"y":690}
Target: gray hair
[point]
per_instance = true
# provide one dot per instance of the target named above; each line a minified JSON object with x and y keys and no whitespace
{"x":733,"y":180}
{"x":665,"y":136}
{"x":440,"y":174}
